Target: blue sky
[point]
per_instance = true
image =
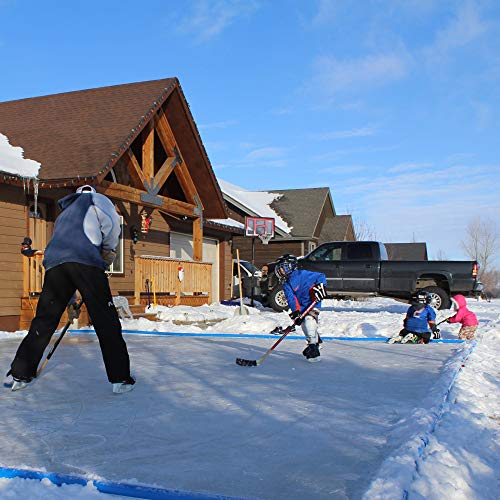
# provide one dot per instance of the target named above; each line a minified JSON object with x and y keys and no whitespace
{"x":393,"y":104}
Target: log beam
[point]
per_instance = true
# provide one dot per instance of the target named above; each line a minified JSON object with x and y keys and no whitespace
{"x":133,"y":195}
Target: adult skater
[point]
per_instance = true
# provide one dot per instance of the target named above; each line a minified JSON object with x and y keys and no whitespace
{"x":86,"y":234}
{"x":301,"y":288}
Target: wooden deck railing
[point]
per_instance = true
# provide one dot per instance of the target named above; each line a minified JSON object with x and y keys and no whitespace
{"x":196,"y":277}
{"x":33,"y":274}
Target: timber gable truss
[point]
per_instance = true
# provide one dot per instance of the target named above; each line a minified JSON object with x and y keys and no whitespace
{"x":152,"y":173}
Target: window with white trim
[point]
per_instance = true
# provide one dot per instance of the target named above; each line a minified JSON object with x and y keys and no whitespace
{"x":117,"y":266}
{"x":312,"y":246}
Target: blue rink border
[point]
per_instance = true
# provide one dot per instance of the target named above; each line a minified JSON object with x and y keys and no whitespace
{"x":261,"y":336}
{"x":110,"y":487}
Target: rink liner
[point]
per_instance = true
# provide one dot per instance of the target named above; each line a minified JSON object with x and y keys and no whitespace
{"x":262,"y":336}
{"x":110,"y":487}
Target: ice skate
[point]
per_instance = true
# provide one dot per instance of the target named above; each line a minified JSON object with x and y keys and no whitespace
{"x":20,"y":383}
{"x":311,"y":353}
{"x":395,"y":340}
{"x":125,"y":386}
{"x":411,"y":338}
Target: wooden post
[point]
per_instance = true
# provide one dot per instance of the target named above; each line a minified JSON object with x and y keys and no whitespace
{"x":148,"y":152}
{"x":138,"y":281}
{"x":197,"y":240}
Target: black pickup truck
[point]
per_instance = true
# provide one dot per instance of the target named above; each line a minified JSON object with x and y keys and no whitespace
{"x":361,"y":268}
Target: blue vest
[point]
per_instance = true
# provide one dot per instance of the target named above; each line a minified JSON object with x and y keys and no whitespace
{"x":69,"y":242}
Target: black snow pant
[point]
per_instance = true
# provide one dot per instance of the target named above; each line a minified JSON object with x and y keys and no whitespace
{"x":421,"y":335}
{"x":59,"y":286}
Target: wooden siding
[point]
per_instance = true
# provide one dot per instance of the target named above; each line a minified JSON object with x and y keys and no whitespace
{"x":225,"y":270}
{"x":265,"y":253}
{"x":13,"y":229}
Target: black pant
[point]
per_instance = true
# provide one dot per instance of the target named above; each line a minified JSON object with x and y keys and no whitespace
{"x":59,"y":285}
{"x":421,"y":335}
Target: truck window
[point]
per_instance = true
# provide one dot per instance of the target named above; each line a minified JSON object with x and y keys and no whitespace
{"x":326,"y":253}
{"x":359,"y":251}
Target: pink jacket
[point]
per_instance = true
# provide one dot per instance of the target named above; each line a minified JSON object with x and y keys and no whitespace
{"x":464,"y":316}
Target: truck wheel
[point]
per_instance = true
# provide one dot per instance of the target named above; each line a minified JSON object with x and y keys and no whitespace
{"x":440,"y":299}
{"x":277,"y":299}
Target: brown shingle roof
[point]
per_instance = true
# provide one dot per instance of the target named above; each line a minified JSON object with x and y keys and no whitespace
{"x":78,"y":133}
{"x":77,"y":136}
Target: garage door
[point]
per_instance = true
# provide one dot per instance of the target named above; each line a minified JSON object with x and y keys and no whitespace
{"x":181,"y":247}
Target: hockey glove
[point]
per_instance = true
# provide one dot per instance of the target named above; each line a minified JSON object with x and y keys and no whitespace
{"x":73,"y":311}
{"x":108,"y":256}
{"x":295,"y":315}
{"x":317,"y":292}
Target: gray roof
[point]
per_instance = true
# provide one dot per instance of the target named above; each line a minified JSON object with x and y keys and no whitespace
{"x":301,"y":208}
{"x":406,"y":251}
{"x":336,"y":229}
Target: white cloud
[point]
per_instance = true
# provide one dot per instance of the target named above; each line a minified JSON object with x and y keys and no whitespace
{"x":326,"y":12}
{"x":408,"y":167}
{"x":265,"y":153}
{"x":208,"y":18}
{"x":218,"y":125}
{"x":268,"y":157}
{"x":333,"y":75}
{"x":432,"y":205}
{"x":344,"y":134}
{"x":465,"y":27}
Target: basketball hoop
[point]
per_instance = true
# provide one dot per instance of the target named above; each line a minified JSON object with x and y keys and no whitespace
{"x":265,"y":238}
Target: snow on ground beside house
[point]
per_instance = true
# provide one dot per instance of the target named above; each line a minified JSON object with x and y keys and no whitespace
{"x":12,"y":160}
{"x":196,"y":421}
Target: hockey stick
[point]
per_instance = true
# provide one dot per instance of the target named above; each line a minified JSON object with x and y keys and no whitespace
{"x":288,"y":329}
{"x":57,"y":342}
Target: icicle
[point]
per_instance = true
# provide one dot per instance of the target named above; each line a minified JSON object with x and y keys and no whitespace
{"x":35,"y":193}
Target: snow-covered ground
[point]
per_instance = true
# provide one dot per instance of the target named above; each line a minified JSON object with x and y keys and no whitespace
{"x":371,"y":420}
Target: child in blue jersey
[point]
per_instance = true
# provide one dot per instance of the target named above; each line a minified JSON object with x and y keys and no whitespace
{"x":420,"y":321}
{"x":301,"y":288}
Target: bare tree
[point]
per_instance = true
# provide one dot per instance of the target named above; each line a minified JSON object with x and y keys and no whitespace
{"x":363,"y":230}
{"x":441,"y":255}
{"x":481,"y":242}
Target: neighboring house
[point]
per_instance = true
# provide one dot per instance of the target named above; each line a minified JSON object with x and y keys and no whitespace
{"x":406,"y":251}
{"x":137,"y":144}
{"x":304,"y":218}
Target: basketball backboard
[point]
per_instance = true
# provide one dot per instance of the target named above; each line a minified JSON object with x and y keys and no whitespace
{"x":262,"y":227}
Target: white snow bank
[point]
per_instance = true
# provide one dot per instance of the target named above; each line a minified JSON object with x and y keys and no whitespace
{"x":453,"y":445}
{"x":12,"y":160}
{"x":33,"y":489}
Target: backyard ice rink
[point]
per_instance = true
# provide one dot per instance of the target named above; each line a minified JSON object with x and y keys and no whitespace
{"x":196,"y":421}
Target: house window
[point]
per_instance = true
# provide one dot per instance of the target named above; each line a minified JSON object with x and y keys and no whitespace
{"x":312,"y":246}
{"x":117,"y":266}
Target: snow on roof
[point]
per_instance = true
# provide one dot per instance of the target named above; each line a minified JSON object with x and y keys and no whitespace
{"x":229,"y":222}
{"x":257,"y":202}
{"x":12,"y":160}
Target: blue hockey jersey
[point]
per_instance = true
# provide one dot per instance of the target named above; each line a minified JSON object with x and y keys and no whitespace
{"x":297,"y":287}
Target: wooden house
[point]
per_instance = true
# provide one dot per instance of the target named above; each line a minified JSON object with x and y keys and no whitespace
{"x":304,"y":218}
{"x":137,"y":144}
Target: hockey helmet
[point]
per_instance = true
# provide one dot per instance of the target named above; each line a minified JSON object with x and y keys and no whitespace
{"x":420,"y":299}
{"x":85,"y":189}
{"x":285,"y":265}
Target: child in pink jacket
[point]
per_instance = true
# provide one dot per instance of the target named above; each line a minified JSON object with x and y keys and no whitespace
{"x":467,"y":318}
